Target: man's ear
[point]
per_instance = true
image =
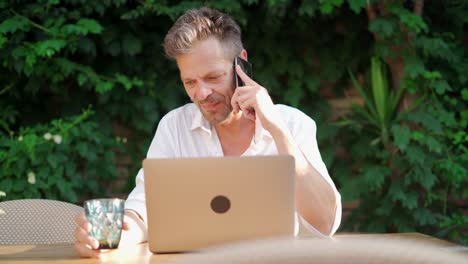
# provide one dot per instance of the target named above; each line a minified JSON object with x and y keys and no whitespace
{"x":243,"y":54}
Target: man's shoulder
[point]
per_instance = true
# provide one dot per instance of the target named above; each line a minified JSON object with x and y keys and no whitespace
{"x":295,"y":119}
{"x":290,"y":112}
{"x":182,"y":113}
{"x":181,"y":117}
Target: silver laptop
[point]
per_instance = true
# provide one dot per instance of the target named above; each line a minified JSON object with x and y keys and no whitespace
{"x":193,"y":203}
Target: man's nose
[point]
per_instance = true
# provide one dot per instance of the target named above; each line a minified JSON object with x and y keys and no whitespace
{"x":203,"y":91}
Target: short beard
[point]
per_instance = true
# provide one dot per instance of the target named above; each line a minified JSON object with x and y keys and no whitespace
{"x":215,"y":118}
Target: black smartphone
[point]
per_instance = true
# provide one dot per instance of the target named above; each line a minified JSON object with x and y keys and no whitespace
{"x":245,"y":66}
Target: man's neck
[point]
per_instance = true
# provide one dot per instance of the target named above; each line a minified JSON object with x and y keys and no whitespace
{"x":234,"y":124}
{"x":235,"y":134}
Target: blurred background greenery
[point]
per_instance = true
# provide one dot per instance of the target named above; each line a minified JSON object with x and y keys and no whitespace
{"x":83,"y":85}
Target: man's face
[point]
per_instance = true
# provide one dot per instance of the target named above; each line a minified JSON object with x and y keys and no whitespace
{"x":208,"y":79}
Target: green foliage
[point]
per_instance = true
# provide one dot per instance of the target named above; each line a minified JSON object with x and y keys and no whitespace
{"x":66,"y":159}
{"x":381,"y":103}
{"x":413,"y":180}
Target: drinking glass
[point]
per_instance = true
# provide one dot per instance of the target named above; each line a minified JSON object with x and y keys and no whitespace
{"x":106,"y":218}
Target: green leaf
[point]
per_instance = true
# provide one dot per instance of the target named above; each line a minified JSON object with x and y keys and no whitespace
{"x":327,"y":6}
{"x":82,"y":79}
{"x":87,"y":46}
{"x":464,"y":94}
{"x":103,"y":86}
{"x":433,"y":144}
{"x":454,"y":172}
{"x":435,"y":47}
{"x":124,"y":80}
{"x":411,"y":200}
{"x":131,"y":45}
{"x":421,"y":175}
{"x":308,"y":8}
{"x":70,"y":29}
{"x":53,"y":161}
{"x":428,"y":179}
{"x":396,"y":191}
{"x":30,"y":61}
{"x":382,"y":26}
{"x":401,"y":136}
{"x":13,"y":24}
{"x":3,"y":40}
{"x":373,"y":113}
{"x":114,"y":48}
{"x":357,"y":5}
{"x":66,"y":66}
{"x":374,"y":176}
{"x":7,"y":184}
{"x":415,"y":154}
{"x":412,"y":21}
{"x":414,"y":67}
{"x":137,"y":82}
{"x":441,"y":86}
{"x":30,"y":141}
{"x":426,"y":119}
{"x":83,"y":149}
{"x":49,"y":47}
{"x":294,"y":94}
{"x":379,"y":90}
{"x":66,"y":190}
{"x":90,"y":25}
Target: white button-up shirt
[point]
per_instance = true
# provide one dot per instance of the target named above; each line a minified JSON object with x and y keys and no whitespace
{"x":184,"y":132}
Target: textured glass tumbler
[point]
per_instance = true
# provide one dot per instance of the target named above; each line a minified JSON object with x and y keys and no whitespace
{"x":106,"y":217}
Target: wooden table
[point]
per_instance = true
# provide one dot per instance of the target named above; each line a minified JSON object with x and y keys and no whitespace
{"x":37,"y":254}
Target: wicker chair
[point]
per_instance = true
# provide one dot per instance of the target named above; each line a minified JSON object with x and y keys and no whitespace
{"x":37,"y":221}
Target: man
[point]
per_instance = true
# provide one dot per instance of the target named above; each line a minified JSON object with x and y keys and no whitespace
{"x":223,"y":121}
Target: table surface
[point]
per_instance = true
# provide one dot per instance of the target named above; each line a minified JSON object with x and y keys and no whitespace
{"x":63,"y":253}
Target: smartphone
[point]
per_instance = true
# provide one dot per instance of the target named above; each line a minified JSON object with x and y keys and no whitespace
{"x":245,"y":66}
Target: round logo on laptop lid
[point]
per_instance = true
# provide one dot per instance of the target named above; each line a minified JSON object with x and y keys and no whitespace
{"x":220,"y":204}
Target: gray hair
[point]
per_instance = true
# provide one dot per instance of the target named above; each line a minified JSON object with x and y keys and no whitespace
{"x":200,"y":24}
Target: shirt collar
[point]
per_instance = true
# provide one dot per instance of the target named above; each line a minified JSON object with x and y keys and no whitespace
{"x":199,"y":122}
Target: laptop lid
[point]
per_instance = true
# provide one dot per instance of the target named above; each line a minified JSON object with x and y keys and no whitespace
{"x":194,"y":203}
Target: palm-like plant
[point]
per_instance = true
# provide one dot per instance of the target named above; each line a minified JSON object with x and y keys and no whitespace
{"x":380,"y":109}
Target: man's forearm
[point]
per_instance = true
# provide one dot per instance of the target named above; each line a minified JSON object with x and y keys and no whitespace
{"x":137,"y":231}
{"x":316,"y":201}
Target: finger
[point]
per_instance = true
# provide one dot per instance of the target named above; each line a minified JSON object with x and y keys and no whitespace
{"x":245,"y":105}
{"x":85,"y":252}
{"x":82,"y":236}
{"x":247,"y":109}
{"x":83,"y":222}
{"x":244,"y":97}
{"x":125,"y":226}
{"x":79,"y":217}
{"x":247,"y":80}
{"x":81,"y":232}
{"x":250,"y":114}
{"x":234,"y":104}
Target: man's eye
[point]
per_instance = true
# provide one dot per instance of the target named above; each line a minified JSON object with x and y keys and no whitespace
{"x":189,"y":83}
{"x":213,"y":78}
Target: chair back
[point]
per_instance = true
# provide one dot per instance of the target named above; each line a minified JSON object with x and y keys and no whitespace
{"x":37,"y":221}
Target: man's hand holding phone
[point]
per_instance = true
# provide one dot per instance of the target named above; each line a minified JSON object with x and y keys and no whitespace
{"x":253,"y":100}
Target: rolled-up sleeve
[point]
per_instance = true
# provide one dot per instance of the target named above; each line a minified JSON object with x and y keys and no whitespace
{"x":305,"y":134}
